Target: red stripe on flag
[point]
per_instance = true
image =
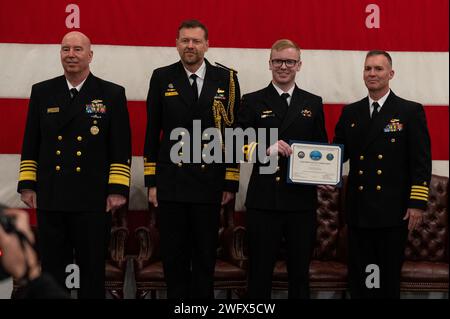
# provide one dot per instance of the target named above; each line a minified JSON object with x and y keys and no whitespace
{"x":13,"y":115}
{"x":413,"y":25}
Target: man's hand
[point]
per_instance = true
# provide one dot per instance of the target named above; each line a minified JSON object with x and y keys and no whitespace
{"x":114,"y":202}
{"x":14,"y":258}
{"x":280,"y":147}
{"x":227,"y":197}
{"x":152,"y":196}
{"x":28,"y":197}
{"x":327,"y":188}
{"x":415,"y":217}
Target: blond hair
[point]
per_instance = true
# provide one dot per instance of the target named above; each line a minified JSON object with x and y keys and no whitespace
{"x":284,"y":44}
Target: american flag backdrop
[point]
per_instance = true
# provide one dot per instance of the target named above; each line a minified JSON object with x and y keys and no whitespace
{"x":133,"y":37}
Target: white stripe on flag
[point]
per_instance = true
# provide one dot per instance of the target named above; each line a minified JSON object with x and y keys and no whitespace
{"x":334,"y":75}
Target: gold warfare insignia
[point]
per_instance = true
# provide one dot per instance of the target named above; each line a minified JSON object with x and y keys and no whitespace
{"x":170,"y":91}
{"x":53,"y":110}
{"x":94,"y":130}
{"x":267,"y":113}
{"x":306,"y":113}
{"x":220,"y":95}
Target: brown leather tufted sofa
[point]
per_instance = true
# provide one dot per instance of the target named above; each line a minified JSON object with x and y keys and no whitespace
{"x":328,"y":268}
{"x":426,"y":255}
{"x":229,"y":274}
{"x":425,"y":269}
{"x":116,"y":263}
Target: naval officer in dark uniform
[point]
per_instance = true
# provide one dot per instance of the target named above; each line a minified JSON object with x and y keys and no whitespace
{"x":75,"y":165}
{"x":386,"y":140}
{"x":276,"y":208}
{"x":189,"y":193}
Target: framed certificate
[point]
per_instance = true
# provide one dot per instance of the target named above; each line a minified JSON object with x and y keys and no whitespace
{"x":315,"y":163}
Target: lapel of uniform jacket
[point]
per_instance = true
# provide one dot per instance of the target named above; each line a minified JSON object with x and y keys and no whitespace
{"x":183,"y":85}
{"x":378,"y":124}
{"x":294,"y":109}
{"x":62,"y":99}
{"x":274,"y":102}
{"x":209,"y":89}
{"x":362,"y":122}
{"x":78,"y":105}
{"x":62,"y":96}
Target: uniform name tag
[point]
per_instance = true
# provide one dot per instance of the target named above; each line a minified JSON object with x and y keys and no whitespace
{"x":171,"y":93}
{"x":53,"y":110}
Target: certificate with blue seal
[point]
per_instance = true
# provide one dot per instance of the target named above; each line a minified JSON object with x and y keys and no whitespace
{"x":315,"y":163}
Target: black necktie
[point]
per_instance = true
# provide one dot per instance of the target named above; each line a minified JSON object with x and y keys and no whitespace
{"x":73,"y":93}
{"x":194,"y":86}
{"x":285,"y":96}
{"x":376,"y":106}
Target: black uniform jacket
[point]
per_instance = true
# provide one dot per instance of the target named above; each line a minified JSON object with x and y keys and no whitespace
{"x":75,"y":153}
{"x":390,"y":161}
{"x":171,"y":105}
{"x":302,"y":121}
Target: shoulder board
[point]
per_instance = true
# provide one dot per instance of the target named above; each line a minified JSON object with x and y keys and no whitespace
{"x":225,"y":67}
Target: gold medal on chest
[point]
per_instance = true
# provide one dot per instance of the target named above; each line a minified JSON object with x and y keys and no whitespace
{"x":94,"y":130}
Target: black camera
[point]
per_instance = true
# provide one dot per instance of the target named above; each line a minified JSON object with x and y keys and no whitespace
{"x":7,"y":224}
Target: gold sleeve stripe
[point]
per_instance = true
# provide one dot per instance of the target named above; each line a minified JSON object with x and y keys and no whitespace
{"x":117,"y":179}
{"x":248,"y":151}
{"x":415,"y":193}
{"x":26,"y":168}
{"x":419,"y":195}
{"x":231,"y":169}
{"x":126,"y":167}
{"x":419,"y":198}
{"x":28,"y":162}
{"x":28,"y":165}
{"x":119,"y":170}
{"x":119,"y":174}
{"x":419,"y":191}
{"x":419,"y":187}
{"x":27,"y":176}
{"x":232,"y":176}
{"x":149,"y":170}
{"x":149,"y":164}
{"x":251,"y":151}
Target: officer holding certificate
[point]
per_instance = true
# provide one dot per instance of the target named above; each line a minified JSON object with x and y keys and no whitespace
{"x":277,"y":208}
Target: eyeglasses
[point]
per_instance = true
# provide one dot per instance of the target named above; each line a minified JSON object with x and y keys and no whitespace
{"x":278,"y":63}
